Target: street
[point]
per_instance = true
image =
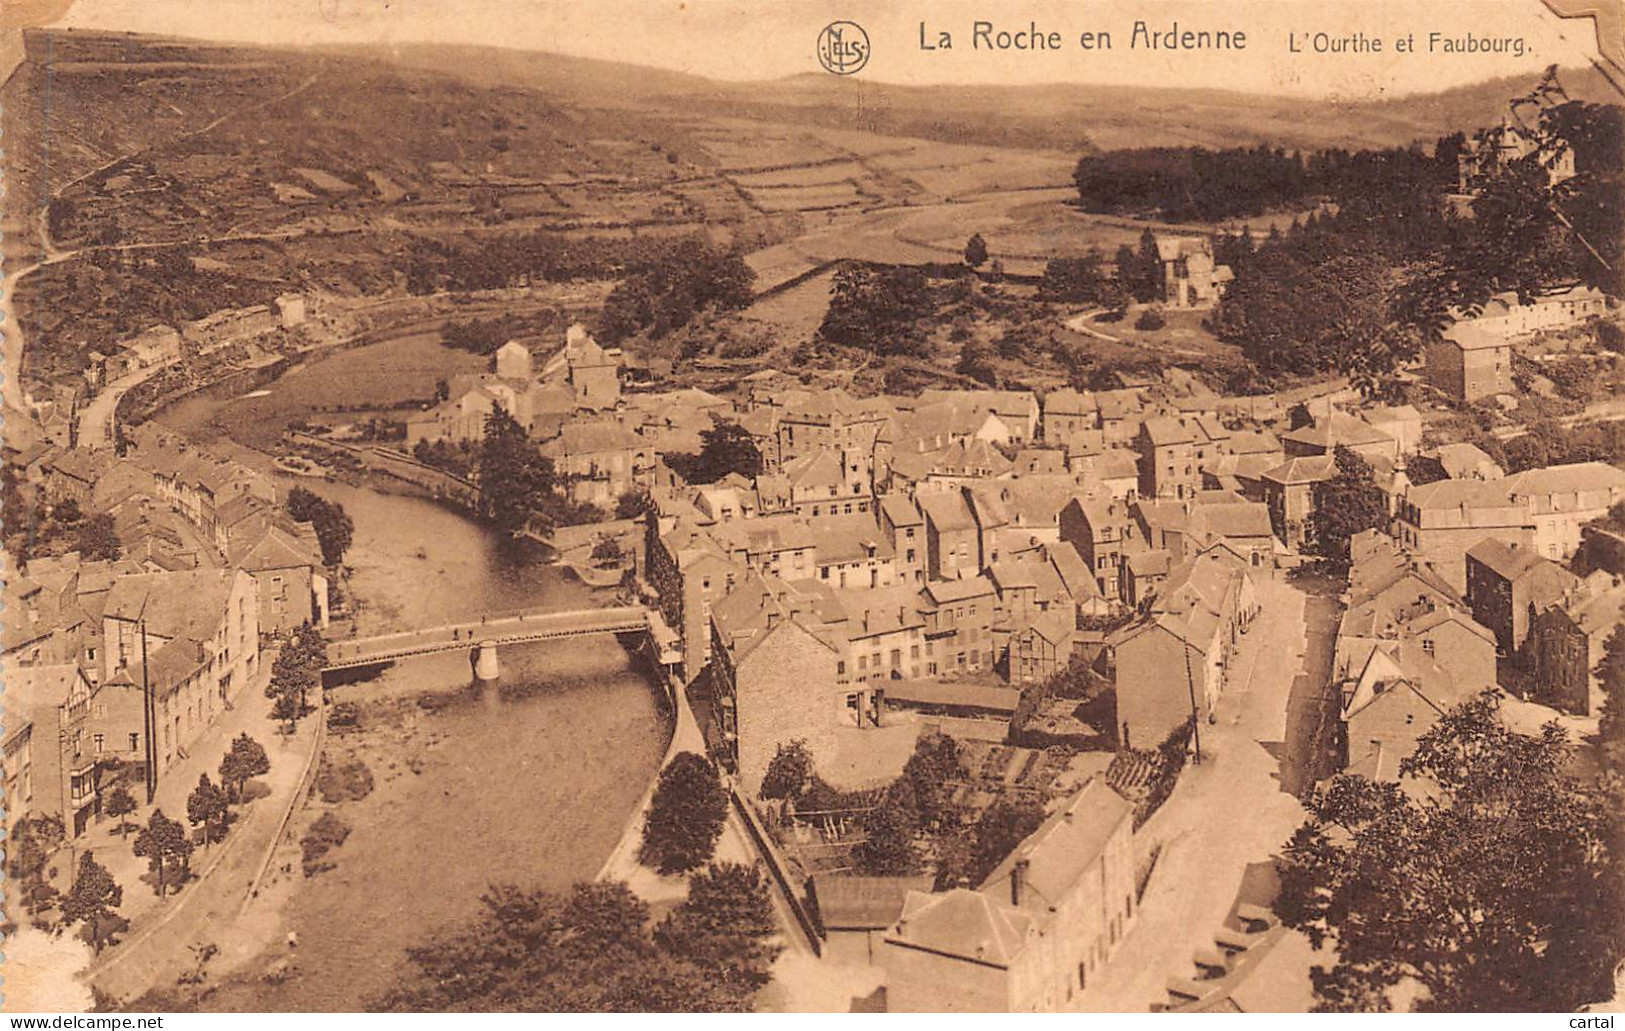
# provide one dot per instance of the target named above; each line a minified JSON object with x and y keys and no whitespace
{"x":156,"y":949}
{"x":1245,"y":769}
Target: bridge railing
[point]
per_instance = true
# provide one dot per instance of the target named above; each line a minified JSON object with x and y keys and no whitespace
{"x":517,"y":621}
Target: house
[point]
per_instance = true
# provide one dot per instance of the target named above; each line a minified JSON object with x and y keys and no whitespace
{"x":1017,"y":409}
{"x":1289,"y":493}
{"x":1068,"y":412}
{"x":952,"y":540}
{"x":1506,"y":585}
{"x":598,"y":458}
{"x":819,"y":484}
{"x":959,"y":618}
{"x":1142,"y":575}
{"x":850,"y":551}
{"x":1098,"y":528}
{"x":1244,"y":528}
{"x":289,"y":577}
{"x":1539,"y":509}
{"x":774,"y":678}
{"x":1403,"y":423}
{"x":1469,"y":362}
{"x":63,"y":738}
{"x":1168,"y":467}
{"x":1041,"y":646}
{"x":690,"y":572}
{"x":1566,"y":644}
{"x":1172,"y":663}
{"x":1334,"y":430}
{"x":882,"y":633}
{"x":1492,"y":151}
{"x":290,"y":310}
{"x":1396,"y":698}
{"x":1033,"y":935}
{"x":1465,"y":462}
{"x":901,"y":523}
{"x":71,"y":475}
{"x":854,"y":913}
{"x":1188,"y":277}
{"x":197,"y":635}
{"x":592,"y":373}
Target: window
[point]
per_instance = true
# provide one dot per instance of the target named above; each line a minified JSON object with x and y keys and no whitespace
{"x":840,"y":671}
{"x":1427,"y":646}
{"x":135,"y":742}
{"x":96,"y":742}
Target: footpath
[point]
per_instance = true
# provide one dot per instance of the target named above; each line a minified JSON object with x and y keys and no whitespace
{"x":159,"y":945}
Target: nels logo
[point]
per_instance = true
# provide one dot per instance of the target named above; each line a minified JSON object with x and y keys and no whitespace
{"x":843,"y":47}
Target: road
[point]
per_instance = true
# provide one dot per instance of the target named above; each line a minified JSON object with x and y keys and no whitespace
{"x":96,"y":421}
{"x":1229,"y":812}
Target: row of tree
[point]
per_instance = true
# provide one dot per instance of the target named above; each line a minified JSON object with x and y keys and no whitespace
{"x":334,"y":527}
{"x":296,"y":672}
{"x":93,"y":899}
{"x":592,"y":950}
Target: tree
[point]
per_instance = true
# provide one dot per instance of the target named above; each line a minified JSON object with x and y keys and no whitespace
{"x":1074,"y":280}
{"x":516,"y":482}
{"x":879,"y":310}
{"x":297,"y":669}
{"x":334,"y":527}
{"x":1347,"y":504}
{"x":92,"y":902}
{"x":206,"y":805}
{"x":933,"y":771}
{"x":28,"y":852}
{"x":975,"y":251}
{"x":245,"y":759}
{"x":587,"y":950}
{"x":1497,"y":889}
{"x":1610,"y":672}
{"x":725,"y":448}
{"x":163,"y":843}
{"x":725,"y":924}
{"x":97,"y":540}
{"x":789,"y":772}
{"x":1003,"y":825}
{"x":286,"y":708}
{"x":685,"y":816}
{"x":888,"y":848}
{"x":119,"y":804}
{"x":634,"y":504}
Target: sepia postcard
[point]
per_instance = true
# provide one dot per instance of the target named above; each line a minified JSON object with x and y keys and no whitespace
{"x":812,"y":506}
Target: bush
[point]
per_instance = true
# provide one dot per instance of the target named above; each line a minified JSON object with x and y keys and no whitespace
{"x":326,"y":834}
{"x":350,"y":782}
{"x":1151,"y":319}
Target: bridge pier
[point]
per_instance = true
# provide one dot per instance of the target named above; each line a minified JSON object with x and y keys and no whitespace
{"x":484,"y":659}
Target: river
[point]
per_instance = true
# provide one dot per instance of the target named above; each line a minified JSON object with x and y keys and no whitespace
{"x":530,"y":780}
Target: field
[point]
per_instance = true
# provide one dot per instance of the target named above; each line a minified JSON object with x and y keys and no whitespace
{"x":170,"y":178}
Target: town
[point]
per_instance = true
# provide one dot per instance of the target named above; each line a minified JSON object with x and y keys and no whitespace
{"x":1085,"y":669}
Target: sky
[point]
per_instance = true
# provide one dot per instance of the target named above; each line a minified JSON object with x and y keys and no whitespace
{"x":763,"y":39}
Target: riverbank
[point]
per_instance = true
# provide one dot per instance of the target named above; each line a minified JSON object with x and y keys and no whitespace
{"x":443,"y":786}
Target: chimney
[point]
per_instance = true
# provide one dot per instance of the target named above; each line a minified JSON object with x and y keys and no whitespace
{"x":1018,"y":881}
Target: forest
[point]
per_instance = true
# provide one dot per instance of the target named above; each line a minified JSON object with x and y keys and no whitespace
{"x":1360,"y":285}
